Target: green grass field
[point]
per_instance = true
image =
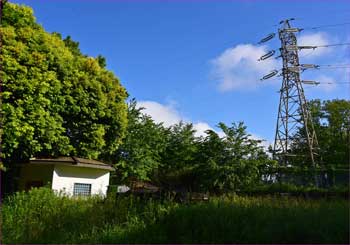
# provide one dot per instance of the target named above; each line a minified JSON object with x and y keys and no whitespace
{"x":42,"y":217}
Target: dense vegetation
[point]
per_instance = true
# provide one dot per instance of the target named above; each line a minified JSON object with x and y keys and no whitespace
{"x":331,"y":120}
{"x":55,"y":100}
{"x":174,"y":156}
{"x":40,"y":216}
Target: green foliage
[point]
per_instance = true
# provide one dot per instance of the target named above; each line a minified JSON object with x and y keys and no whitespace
{"x":175,"y":158}
{"x":181,"y":146}
{"x":40,"y":216}
{"x":331,"y":119}
{"x":20,"y":16}
{"x":287,"y":188}
{"x":232,"y":162}
{"x":72,"y":45}
{"x":101,"y":61}
{"x":250,"y":220}
{"x":140,"y":154}
{"x":55,"y":100}
{"x":179,"y":163}
{"x":334,"y":131}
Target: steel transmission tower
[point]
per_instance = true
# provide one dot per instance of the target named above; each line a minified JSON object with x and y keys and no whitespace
{"x":293,"y":113}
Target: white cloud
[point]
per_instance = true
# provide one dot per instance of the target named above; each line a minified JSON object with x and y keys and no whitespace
{"x":239,"y":68}
{"x":168,"y":115}
{"x":200,"y":128}
{"x":329,"y":55}
{"x":314,"y":39}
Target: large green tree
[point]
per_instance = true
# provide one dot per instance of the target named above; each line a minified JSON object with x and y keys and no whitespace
{"x":334,"y":131}
{"x":140,"y":154}
{"x":331,"y":120}
{"x":55,"y":100}
{"x":234,"y":161}
{"x":179,"y":158}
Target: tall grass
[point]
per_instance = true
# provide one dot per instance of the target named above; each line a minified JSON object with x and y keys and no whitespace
{"x":43,"y":217}
{"x":254,"y":220}
{"x":40,"y":216}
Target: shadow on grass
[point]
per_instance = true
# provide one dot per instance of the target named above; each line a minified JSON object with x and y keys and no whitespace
{"x":230,"y":223}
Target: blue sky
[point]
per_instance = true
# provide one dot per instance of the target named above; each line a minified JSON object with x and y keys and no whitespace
{"x":196,"y":60}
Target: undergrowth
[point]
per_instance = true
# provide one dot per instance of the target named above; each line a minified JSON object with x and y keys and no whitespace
{"x":41,"y":216}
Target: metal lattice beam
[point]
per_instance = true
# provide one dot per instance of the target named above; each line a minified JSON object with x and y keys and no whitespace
{"x":293,"y":114}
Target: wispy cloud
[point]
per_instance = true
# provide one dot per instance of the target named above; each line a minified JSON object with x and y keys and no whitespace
{"x":327,"y":78}
{"x":166,"y":114}
{"x":327,"y":83}
{"x":238,"y":68}
{"x":314,"y":39}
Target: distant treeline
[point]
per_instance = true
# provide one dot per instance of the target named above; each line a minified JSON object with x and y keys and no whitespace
{"x":175,"y":156}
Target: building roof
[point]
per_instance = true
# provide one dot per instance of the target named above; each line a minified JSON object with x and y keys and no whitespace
{"x":74,"y":161}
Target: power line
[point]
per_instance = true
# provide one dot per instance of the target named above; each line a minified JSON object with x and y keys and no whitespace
{"x":335,"y":83}
{"x":304,"y":67}
{"x":319,"y":46}
{"x":335,"y":65}
{"x":326,"y":84}
{"x":305,"y":55}
{"x":332,"y":45}
{"x":295,"y":47}
{"x":326,"y":26}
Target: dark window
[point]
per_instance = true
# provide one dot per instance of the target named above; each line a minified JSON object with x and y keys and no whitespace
{"x":82,"y":189}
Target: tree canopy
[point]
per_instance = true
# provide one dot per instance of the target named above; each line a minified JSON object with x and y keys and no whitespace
{"x":174,"y":157}
{"x":55,"y":100}
{"x":331,"y":119}
{"x":140,"y":153}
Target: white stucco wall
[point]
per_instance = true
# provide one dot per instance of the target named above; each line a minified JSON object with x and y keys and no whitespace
{"x":64,"y":178}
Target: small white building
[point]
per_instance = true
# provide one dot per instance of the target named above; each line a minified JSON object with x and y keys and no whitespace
{"x":71,"y":175}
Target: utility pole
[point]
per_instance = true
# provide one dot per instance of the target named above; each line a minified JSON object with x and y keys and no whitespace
{"x":293,"y":113}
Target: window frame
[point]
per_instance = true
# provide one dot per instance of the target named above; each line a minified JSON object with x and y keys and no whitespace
{"x":78,"y":189}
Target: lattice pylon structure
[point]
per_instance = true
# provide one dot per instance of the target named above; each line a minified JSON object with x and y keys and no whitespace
{"x":293,"y":114}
